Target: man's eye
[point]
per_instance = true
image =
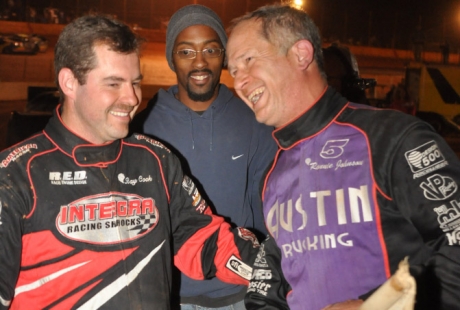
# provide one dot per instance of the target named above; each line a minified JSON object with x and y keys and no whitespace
{"x":211,"y":51}
{"x":185,"y":52}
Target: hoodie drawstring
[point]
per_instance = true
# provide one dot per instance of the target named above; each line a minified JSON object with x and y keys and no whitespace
{"x":212,"y":123}
{"x":191,"y":125}
{"x":192,"y":131}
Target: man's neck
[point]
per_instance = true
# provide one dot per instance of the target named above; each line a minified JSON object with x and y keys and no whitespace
{"x":196,"y":106}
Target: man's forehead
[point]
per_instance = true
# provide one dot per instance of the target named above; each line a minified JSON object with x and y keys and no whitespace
{"x":242,"y":40}
{"x":244,"y":31}
{"x":113,"y":65}
{"x":105,"y":52}
{"x":249,"y":25}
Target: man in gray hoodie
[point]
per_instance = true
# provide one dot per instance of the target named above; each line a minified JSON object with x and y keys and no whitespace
{"x":214,"y":133}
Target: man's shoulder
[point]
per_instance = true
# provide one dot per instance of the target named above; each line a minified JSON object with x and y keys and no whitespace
{"x":371,"y":117}
{"x":19,"y":154}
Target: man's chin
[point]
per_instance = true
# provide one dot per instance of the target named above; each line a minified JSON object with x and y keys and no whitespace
{"x":200,"y":96}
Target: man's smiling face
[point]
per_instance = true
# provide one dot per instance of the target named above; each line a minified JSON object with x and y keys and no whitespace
{"x":197,"y":78}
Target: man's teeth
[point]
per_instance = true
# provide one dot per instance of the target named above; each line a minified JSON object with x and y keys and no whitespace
{"x":199,"y":78}
{"x":255,"y":96}
{"x":119,"y":113}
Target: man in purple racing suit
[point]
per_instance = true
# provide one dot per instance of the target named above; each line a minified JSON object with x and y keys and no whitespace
{"x":90,"y":219}
{"x":353,"y":189}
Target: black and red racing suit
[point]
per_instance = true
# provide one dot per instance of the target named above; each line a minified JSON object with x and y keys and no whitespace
{"x":86,"y":226}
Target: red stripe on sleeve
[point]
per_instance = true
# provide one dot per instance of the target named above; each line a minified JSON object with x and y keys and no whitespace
{"x":188,"y":258}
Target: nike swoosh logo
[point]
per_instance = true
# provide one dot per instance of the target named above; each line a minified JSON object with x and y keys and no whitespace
{"x":236,"y":157}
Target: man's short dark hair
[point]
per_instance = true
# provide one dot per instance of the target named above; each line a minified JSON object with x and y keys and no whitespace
{"x":75,"y":46}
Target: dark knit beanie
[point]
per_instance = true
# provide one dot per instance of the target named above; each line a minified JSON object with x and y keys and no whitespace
{"x":190,"y":15}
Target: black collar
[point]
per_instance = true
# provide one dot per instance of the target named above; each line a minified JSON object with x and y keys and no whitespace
{"x":83,"y":152}
{"x":313,"y":120}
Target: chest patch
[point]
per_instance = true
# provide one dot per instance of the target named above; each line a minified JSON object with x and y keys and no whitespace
{"x":108,"y":218}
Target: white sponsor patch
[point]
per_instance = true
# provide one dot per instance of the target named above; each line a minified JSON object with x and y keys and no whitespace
{"x":333,"y":148}
{"x":449,"y":221}
{"x":448,"y":218}
{"x":188,"y":184}
{"x":108,"y":218}
{"x":260,"y":259}
{"x":68,"y":178}
{"x":262,"y":274}
{"x":425,"y":159}
{"x":453,"y":238}
{"x":237,"y":266}
{"x":438,"y":187}
{"x":259,"y":287}
{"x":152,"y":142}
{"x":249,"y":236}
{"x":16,"y":153}
{"x":122,"y":178}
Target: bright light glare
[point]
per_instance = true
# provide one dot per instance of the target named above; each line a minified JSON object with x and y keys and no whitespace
{"x":298,"y":4}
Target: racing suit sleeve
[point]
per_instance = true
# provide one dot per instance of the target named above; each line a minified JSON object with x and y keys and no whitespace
{"x":12,"y":210}
{"x":205,"y":245}
{"x":424,"y":185}
{"x":268,"y":288}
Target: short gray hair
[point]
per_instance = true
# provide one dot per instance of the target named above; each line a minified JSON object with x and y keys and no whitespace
{"x":283,"y":26}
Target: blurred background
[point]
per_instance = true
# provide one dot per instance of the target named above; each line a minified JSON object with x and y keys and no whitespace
{"x":402,"y":54}
{"x":382,"y":23}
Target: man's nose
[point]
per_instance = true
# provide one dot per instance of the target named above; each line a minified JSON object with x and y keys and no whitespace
{"x":200,"y":60}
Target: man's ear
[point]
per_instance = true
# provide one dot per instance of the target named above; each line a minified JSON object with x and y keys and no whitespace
{"x":303,"y":52}
{"x":68,"y":83}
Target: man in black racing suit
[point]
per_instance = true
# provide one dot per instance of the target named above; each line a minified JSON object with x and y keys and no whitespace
{"x":91,"y":220}
{"x":353,"y":189}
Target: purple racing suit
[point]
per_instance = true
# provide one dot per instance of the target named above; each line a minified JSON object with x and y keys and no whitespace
{"x":353,"y":190}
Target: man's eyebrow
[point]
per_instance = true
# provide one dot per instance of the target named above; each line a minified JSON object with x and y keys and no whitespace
{"x":242,"y":56}
{"x":114,"y":78}
{"x":230,"y":67}
{"x":192,"y":43}
{"x":120,"y":79}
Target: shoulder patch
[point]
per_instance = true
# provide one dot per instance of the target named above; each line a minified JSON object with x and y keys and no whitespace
{"x":425,"y":159}
{"x":247,"y":235}
{"x":151,"y":141}
{"x":16,"y":153}
{"x":237,"y":266}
